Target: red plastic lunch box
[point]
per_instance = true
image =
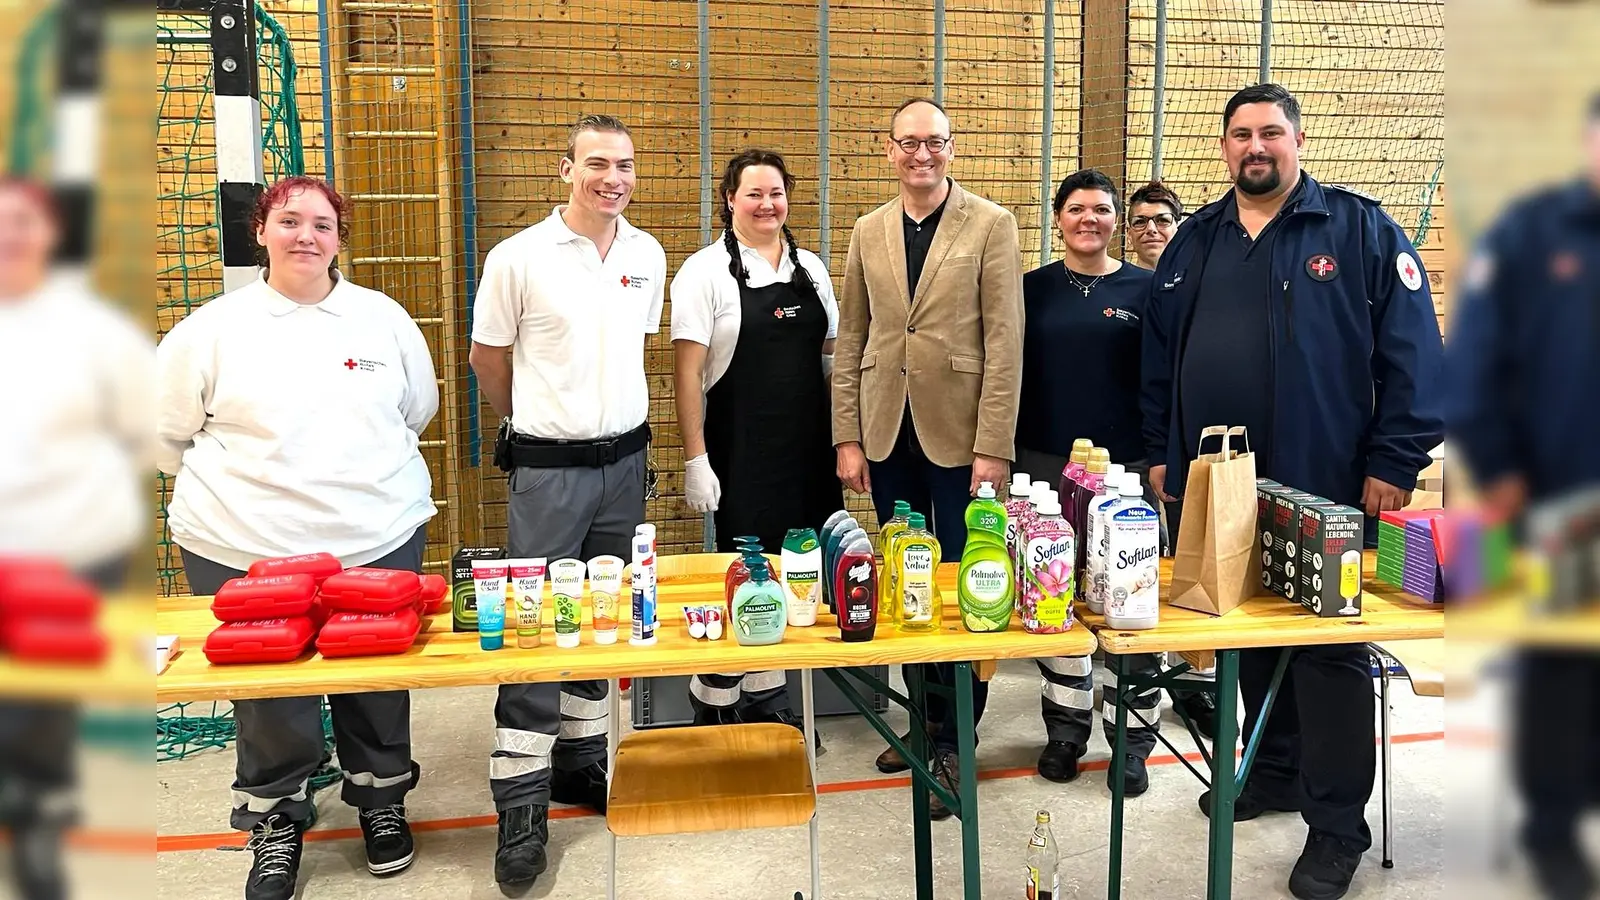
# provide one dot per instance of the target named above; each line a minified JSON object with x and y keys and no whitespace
{"x":262,"y":641}
{"x":47,"y":593}
{"x":264,"y":597}
{"x":54,"y":640}
{"x":433,"y":596}
{"x":318,"y":565}
{"x":368,"y":634}
{"x":364,"y":590}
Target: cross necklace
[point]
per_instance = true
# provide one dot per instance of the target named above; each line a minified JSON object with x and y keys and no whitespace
{"x":1072,"y":276}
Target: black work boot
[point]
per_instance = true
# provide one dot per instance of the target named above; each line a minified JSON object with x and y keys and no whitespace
{"x":1251,"y":804}
{"x":390,"y":849}
{"x":1058,"y":761}
{"x":581,"y":787}
{"x":1324,"y":869}
{"x":519,"y":854}
{"x":277,"y":842}
{"x":1135,"y":776}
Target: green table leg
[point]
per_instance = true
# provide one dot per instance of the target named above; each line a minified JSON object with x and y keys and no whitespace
{"x":1119,"y":766}
{"x":1219,"y":867}
{"x":921,"y":823}
{"x":967,"y":750}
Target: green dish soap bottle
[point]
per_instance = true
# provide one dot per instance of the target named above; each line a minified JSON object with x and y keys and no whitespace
{"x":916,"y":563}
{"x":760,"y":614}
{"x":986,"y":587}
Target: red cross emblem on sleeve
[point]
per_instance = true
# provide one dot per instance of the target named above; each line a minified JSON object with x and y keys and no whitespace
{"x":350,"y":364}
{"x":1410,"y":272}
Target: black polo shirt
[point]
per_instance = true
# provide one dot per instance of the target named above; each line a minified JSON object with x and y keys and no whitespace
{"x":1080,"y":361}
{"x":1225,"y":376}
{"x":919,"y":238}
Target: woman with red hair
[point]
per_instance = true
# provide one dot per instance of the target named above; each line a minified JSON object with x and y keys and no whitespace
{"x":289,"y":413}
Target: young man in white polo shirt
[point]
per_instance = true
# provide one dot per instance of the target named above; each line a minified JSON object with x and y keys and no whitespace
{"x":573,"y":297}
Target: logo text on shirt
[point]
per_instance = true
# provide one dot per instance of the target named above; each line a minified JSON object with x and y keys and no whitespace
{"x":635,"y":281}
{"x":1125,"y":315}
{"x":365,"y":365}
{"x":785,"y":312}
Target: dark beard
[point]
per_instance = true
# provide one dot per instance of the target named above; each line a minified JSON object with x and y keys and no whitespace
{"x":1257,"y":187}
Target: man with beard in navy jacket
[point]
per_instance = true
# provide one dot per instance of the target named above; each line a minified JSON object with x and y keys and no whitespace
{"x":1300,"y":311}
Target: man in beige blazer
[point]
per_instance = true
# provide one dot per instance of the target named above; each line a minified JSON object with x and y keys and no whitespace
{"x":928,"y":363}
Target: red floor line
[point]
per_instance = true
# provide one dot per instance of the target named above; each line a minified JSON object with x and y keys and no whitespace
{"x":173,"y":843}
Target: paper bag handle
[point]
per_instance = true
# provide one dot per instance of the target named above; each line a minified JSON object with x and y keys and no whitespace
{"x":1238,"y":431}
{"x":1227,"y":433}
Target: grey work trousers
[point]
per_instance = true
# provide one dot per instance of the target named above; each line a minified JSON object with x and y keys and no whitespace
{"x":579,"y":512}
{"x":280,"y":740}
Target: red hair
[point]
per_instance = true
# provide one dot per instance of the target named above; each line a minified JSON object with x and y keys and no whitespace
{"x":36,"y":193}
{"x":278,"y":196}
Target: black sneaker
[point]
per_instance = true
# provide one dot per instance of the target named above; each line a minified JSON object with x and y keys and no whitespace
{"x":581,"y":787}
{"x":1058,"y":761}
{"x":519,"y":854}
{"x":388,"y":837}
{"x":1135,"y":777}
{"x":1250,"y":804}
{"x":1201,"y":709}
{"x":947,"y":771}
{"x":1324,"y":869}
{"x":277,"y":842}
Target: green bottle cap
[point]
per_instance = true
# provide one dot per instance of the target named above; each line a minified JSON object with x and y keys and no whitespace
{"x":918,"y":520}
{"x":902,"y":508}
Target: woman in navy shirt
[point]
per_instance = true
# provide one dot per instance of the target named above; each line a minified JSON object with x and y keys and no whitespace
{"x":1080,"y":379}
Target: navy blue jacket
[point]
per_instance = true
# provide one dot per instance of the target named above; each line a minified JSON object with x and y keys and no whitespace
{"x":1524,"y":358}
{"x":1356,"y":353}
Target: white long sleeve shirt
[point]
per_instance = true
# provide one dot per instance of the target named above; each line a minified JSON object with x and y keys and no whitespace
{"x":75,"y":440}
{"x":293,"y":428}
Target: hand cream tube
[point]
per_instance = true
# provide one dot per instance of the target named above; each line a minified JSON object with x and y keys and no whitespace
{"x":489,"y":585}
{"x":566,"y":590}
{"x":527,"y":591}
{"x":605,"y":592}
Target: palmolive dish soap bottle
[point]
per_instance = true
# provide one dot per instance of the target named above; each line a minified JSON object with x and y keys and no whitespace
{"x":759,"y":611}
{"x":886,"y":580}
{"x":916,"y":564}
{"x":986,"y":585}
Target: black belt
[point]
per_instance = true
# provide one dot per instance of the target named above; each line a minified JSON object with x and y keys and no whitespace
{"x":516,"y":450}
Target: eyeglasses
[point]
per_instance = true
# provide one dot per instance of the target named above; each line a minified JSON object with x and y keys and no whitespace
{"x":1164,"y":220}
{"x":910,"y":144}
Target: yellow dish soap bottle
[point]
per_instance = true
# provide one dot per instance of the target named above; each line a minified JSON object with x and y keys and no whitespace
{"x":916,"y":564}
{"x":886,"y":535}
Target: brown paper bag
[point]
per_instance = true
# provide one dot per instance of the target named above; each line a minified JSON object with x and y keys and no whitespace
{"x":1215,"y":566}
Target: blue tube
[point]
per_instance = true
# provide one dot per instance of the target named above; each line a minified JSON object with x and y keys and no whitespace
{"x":326,"y":55}
{"x":469,"y":211}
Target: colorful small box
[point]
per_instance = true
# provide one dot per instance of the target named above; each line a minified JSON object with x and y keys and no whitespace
{"x":1330,"y":539}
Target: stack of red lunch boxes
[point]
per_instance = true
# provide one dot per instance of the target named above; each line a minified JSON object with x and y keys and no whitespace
{"x":47,"y":614}
{"x":376,"y":611}
{"x":283,"y":605}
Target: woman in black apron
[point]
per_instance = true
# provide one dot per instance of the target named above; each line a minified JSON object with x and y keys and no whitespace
{"x":753,"y":319}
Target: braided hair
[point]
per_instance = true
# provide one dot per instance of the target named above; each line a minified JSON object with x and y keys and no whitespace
{"x":730,"y":186}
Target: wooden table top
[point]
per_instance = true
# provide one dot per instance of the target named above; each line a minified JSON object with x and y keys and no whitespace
{"x":1271,"y":621}
{"x":124,"y":679}
{"x":442,"y":658}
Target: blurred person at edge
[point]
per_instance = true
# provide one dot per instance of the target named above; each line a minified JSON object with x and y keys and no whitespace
{"x":1300,"y":311}
{"x":1523,"y":369}
{"x":74,"y":446}
{"x":289,"y":411}
{"x":1154,"y":212}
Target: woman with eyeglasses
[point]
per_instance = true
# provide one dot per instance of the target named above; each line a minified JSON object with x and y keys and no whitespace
{"x":1154,"y":212}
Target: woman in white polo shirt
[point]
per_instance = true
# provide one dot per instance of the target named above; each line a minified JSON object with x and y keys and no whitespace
{"x":289,"y":411}
{"x":753,"y":323}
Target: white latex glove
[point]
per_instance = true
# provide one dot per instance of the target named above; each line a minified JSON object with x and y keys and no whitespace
{"x":700,"y":485}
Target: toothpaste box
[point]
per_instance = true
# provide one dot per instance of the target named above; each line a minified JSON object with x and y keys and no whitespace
{"x":1330,"y":560}
{"x":463,"y":599}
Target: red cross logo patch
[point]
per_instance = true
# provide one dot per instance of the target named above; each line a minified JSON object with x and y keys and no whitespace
{"x":350,"y":364}
{"x":1108,"y":312}
{"x":1322,"y":267}
{"x":624,"y":281}
{"x":1410,"y":273}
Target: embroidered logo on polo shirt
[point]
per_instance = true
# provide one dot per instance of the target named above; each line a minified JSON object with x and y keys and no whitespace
{"x":1125,"y":315}
{"x":786,"y":312}
{"x":634,"y":281}
{"x":365,"y":365}
{"x":1322,"y":267}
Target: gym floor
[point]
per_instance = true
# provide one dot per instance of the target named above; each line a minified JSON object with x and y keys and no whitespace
{"x":865,"y":822}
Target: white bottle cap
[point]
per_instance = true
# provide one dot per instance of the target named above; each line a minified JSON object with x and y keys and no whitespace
{"x":1048,"y":495}
{"x":1114,"y":473}
{"x":714,"y":629}
{"x":986,"y":490}
{"x":1020,"y":484}
{"x":1130,"y":485}
{"x":646,"y":530}
{"x":1051,"y":505}
{"x":1038,"y":488}
{"x":605,"y":637}
{"x":567,"y":640}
